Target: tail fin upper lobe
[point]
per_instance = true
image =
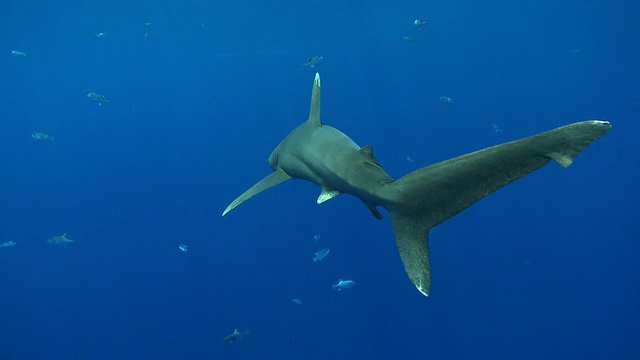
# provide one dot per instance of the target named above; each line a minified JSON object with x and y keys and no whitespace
{"x":431,"y":195}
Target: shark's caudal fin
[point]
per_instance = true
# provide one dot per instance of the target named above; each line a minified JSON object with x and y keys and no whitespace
{"x":428,"y":196}
{"x":274,"y":179}
{"x":411,"y":238}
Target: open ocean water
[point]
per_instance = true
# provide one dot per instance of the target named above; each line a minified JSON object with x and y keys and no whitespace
{"x":200,"y":92}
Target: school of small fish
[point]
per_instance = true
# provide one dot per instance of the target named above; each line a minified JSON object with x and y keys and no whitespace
{"x":311,"y":62}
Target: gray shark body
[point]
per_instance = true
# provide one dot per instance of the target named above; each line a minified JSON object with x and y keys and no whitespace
{"x":420,"y":200}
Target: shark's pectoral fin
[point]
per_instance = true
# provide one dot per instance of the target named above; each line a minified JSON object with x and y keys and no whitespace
{"x":327,"y":194}
{"x":274,"y":179}
{"x":413,"y":245}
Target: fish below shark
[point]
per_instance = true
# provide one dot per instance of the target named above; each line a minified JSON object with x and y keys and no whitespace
{"x":420,"y":200}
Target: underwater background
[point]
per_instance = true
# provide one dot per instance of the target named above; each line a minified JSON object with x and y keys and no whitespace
{"x":201,"y":92}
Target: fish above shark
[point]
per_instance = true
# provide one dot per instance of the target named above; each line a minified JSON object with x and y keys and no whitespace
{"x":234,"y":336}
{"x":60,"y":240}
{"x":424,"y":198}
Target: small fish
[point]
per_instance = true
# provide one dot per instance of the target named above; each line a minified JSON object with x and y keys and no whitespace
{"x":234,"y":337}
{"x":409,"y":159}
{"x":497,"y":128}
{"x":147,"y":25}
{"x":297,"y":301}
{"x":419,"y":23}
{"x":7,"y":244}
{"x":100,"y":99}
{"x":316,"y":238}
{"x":59,"y":240}
{"x":183,"y":247}
{"x":321,"y":254}
{"x":313,"y":61}
{"x":41,"y":136}
{"x":577,"y":50}
{"x":409,"y":39}
{"x":343,"y":284}
{"x":446,"y":99}
{"x":101,"y":36}
{"x":18,"y":53}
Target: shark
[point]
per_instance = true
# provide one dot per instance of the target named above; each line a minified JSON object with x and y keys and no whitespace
{"x":421,"y":200}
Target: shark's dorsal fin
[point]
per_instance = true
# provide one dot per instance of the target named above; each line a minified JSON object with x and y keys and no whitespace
{"x":314,"y":112}
{"x":367,"y":151}
{"x":274,"y":179}
{"x":327,"y":194}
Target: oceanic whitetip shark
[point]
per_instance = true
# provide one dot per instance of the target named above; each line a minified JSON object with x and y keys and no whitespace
{"x":420,"y":200}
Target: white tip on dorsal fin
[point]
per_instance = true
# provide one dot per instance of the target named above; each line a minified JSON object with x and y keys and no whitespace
{"x":327,"y":194}
{"x":314,"y":112}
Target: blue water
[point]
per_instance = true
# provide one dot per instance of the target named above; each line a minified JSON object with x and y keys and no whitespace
{"x":545,"y":268}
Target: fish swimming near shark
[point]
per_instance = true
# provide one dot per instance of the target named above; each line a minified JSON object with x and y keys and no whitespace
{"x":98,"y":98}
{"x":313,"y":61}
{"x":235,"y":336}
{"x":41,"y":136}
{"x":318,"y":256}
{"x":420,"y":200}
{"x":59,"y":240}
{"x":343,"y":284}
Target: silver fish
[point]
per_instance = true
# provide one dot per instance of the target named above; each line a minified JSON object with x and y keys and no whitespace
{"x":313,"y":61}
{"x":100,"y":99}
{"x":59,"y":240}
{"x":446,"y":99}
{"x":41,"y":136}
{"x":419,"y":23}
{"x":343,"y":284}
{"x":235,"y":336}
{"x":321,"y":254}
